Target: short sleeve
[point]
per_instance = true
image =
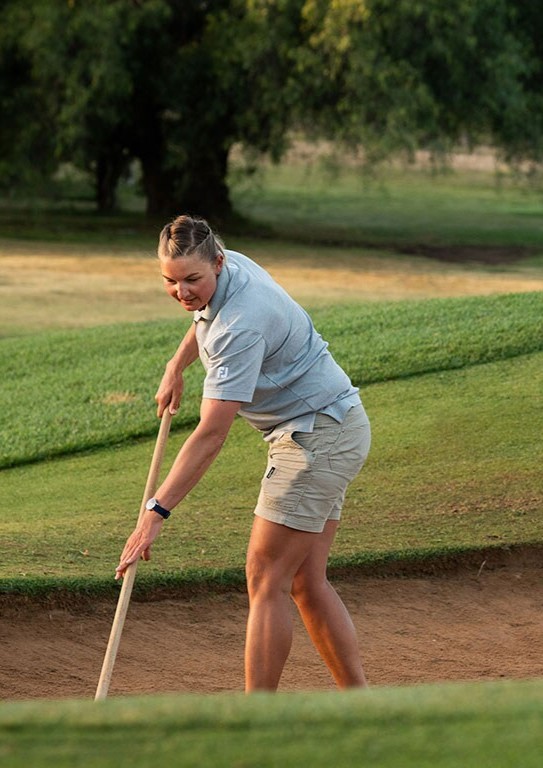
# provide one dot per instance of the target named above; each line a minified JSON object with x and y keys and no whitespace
{"x":233,"y":364}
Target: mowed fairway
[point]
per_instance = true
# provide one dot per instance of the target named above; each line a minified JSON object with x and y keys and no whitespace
{"x":438,"y":557}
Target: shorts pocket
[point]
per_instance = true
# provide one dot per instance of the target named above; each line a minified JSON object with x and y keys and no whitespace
{"x":287,"y":474}
{"x":351,"y":450}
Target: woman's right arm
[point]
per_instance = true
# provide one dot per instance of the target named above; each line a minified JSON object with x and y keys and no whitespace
{"x":170,"y":390}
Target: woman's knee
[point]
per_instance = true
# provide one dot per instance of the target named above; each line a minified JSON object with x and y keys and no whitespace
{"x":307,"y":589}
{"x":255,"y":572}
{"x":264,"y":576}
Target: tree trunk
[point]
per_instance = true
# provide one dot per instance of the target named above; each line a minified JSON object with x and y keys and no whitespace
{"x":206,"y":192}
{"x":109,"y":168}
{"x":158,"y":188}
{"x":199,"y":187}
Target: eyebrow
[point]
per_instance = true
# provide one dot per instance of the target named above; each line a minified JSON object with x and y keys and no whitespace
{"x":187,"y":277}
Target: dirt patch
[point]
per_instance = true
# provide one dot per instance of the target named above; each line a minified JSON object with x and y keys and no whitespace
{"x":476,"y":619}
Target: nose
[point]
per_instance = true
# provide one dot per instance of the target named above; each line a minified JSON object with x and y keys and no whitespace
{"x":182,"y":293}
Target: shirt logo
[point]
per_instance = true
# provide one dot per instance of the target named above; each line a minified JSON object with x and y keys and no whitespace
{"x":222,"y":373}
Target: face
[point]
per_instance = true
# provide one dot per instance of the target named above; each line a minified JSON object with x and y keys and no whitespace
{"x":190,"y":280}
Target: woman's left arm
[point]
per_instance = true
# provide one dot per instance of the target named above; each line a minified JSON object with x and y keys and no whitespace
{"x":198,"y":451}
{"x":196,"y":455}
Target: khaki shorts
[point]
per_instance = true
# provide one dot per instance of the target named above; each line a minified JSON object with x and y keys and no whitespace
{"x":308,"y":472}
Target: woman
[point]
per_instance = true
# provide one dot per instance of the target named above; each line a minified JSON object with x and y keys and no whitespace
{"x":264,"y":361}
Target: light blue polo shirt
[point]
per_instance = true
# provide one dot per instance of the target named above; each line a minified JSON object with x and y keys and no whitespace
{"x":260,"y":347}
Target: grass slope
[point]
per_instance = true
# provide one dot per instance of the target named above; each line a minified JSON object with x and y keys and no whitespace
{"x":68,"y":391}
{"x":455,"y":463}
{"x":498,"y":725}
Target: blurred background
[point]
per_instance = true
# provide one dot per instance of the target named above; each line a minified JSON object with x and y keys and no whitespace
{"x":153,"y":107}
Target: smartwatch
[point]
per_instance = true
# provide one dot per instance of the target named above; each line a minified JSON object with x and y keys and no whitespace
{"x":154,"y":506}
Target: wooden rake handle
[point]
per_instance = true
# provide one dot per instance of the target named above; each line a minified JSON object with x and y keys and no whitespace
{"x":130,"y":573}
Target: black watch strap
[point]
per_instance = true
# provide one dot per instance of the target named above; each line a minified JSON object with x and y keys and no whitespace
{"x":154,"y":506}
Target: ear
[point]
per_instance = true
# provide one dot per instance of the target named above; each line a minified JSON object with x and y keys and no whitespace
{"x":219,"y":263}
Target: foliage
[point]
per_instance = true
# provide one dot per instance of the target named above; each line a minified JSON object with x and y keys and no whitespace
{"x":170,"y":84}
{"x":397,"y":75}
{"x":174,"y":85}
{"x":519,"y":130}
{"x":26,"y":135}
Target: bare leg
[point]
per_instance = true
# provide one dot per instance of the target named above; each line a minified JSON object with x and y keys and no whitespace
{"x":274,"y":555}
{"x":325,"y":616}
{"x":282,"y":562}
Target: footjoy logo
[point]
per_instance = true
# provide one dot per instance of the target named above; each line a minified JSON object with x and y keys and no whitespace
{"x":222,"y":373}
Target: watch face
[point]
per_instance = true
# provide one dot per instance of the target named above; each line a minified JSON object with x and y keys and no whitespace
{"x":150,"y":504}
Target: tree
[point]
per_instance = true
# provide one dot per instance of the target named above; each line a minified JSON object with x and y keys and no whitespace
{"x":26,"y":139}
{"x":397,"y":74}
{"x":519,"y":130}
{"x":176,"y":83}
{"x":172,"y":83}
{"x":82,"y":53}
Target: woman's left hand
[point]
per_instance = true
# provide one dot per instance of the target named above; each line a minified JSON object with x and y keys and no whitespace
{"x":140,"y":541}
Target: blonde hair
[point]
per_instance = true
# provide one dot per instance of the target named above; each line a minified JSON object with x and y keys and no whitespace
{"x":189,"y":236}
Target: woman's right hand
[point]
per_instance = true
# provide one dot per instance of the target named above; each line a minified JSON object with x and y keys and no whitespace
{"x":170,"y":390}
{"x":139,"y":542}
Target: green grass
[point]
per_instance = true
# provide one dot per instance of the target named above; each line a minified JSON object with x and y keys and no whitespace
{"x":63,"y":222}
{"x":311,"y":199}
{"x":450,"y":466}
{"x":395,"y":208}
{"x":455,"y":464}
{"x":95,"y":387}
{"x":490,"y":725}
{"x":453,"y":389}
